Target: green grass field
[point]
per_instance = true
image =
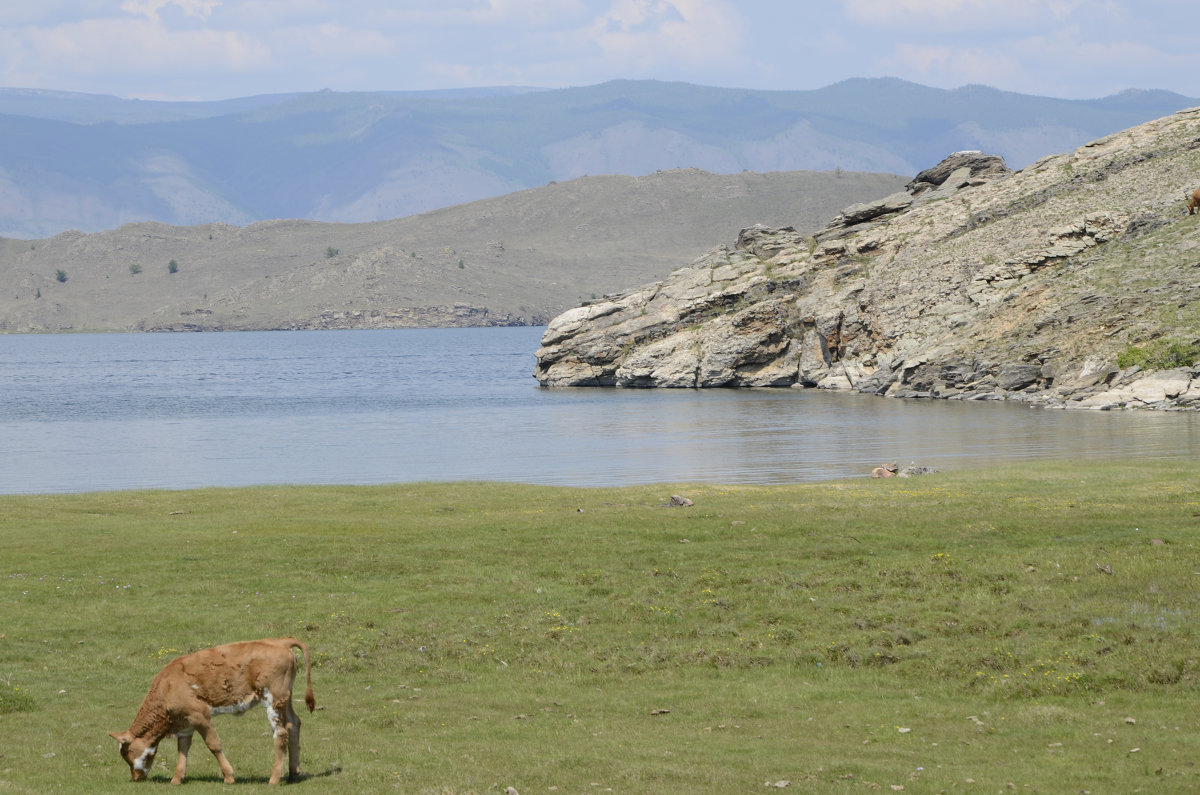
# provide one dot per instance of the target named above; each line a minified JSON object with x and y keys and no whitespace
{"x":1030,"y":629}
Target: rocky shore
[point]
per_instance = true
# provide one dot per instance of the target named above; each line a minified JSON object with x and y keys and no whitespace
{"x":1050,"y":285}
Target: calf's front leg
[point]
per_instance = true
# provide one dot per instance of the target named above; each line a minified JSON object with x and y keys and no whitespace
{"x":214,"y":744}
{"x":183,"y":741}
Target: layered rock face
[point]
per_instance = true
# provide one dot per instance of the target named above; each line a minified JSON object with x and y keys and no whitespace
{"x":974,"y":283}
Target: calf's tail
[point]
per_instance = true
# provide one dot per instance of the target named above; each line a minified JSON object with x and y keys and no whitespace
{"x":309,"y":699}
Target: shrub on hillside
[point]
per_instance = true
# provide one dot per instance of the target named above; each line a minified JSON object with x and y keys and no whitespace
{"x":1162,"y":354}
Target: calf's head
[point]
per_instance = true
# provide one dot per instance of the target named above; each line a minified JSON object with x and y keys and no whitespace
{"x":137,"y":753}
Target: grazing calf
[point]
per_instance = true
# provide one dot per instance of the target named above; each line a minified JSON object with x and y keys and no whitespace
{"x":224,"y":679}
{"x":1194,"y":202}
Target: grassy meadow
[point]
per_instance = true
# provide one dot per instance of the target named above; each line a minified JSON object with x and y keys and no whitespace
{"x":1027,"y":629}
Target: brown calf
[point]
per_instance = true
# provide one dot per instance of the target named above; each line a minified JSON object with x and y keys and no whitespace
{"x":224,"y":679}
{"x":1194,"y":202}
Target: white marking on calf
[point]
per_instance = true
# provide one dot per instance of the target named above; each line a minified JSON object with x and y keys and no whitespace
{"x":147,"y":758}
{"x":269,"y":705}
{"x":234,"y":709}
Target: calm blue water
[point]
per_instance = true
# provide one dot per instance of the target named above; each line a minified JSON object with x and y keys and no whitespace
{"x":87,"y":412}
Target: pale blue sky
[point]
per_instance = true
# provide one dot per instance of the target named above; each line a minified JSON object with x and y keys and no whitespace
{"x":217,"y":49}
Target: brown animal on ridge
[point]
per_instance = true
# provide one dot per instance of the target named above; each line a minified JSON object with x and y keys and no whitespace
{"x":224,"y":679}
{"x":1194,"y":202}
{"x":885,"y":471}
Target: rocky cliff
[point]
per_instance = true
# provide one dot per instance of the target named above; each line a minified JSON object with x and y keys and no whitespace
{"x":1073,"y":282}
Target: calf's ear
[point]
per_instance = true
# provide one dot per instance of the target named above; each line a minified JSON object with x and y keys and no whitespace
{"x":122,"y":737}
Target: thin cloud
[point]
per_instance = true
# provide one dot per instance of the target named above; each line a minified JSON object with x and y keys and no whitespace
{"x":945,"y":66}
{"x":225,"y":48}
{"x":967,"y":15}
{"x":331,"y":41}
{"x":538,"y":14}
{"x":660,"y":32}
{"x":129,"y":46}
{"x":1064,"y":48}
{"x":663,"y":39}
{"x":150,"y":8}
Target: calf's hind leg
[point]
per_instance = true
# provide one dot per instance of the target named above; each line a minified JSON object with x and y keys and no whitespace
{"x":293,"y":731}
{"x":278,"y":707}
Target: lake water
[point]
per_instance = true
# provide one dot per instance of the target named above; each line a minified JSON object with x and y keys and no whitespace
{"x":86,"y":412}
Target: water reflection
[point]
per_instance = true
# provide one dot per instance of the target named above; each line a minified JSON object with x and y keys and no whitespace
{"x":786,"y":435}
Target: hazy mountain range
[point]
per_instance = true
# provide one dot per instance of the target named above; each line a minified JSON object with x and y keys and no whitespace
{"x":91,"y":163}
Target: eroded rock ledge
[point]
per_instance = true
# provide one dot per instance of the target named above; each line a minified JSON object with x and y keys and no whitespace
{"x":977,"y":283}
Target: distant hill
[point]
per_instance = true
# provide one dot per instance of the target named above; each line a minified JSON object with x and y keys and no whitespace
{"x":517,"y":259}
{"x":90,"y":163}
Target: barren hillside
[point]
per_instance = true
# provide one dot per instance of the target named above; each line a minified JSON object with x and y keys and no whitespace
{"x":515,"y":260}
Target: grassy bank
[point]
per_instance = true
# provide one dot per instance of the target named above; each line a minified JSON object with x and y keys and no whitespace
{"x":1034,"y":627}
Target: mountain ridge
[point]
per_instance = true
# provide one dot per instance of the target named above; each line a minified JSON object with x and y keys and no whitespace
{"x":372,"y":156}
